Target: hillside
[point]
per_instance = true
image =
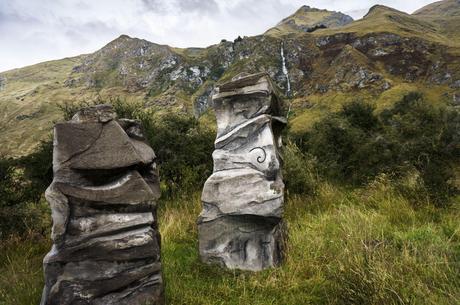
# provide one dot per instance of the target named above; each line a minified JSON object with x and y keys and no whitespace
{"x":445,"y":15}
{"x":448,"y":8}
{"x":307,"y":19}
{"x":319,"y":59}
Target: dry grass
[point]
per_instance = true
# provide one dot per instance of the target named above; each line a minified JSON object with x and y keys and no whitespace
{"x":345,"y":247}
{"x":362,"y":246}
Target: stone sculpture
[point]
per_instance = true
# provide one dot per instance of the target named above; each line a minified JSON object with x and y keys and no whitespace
{"x":241,"y":224}
{"x":106,"y":245}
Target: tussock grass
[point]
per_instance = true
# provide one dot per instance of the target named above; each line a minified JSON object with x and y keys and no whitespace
{"x":361,"y":246}
{"x":21,"y":275}
{"x":367,"y":246}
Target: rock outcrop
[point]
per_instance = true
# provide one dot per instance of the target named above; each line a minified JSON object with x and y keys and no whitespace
{"x":241,"y":223}
{"x":106,"y":245}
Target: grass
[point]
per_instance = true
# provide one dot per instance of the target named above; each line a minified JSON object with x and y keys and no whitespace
{"x":303,"y":117}
{"x":21,"y":278}
{"x":385,"y":19}
{"x":301,"y":19}
{"x":362,"y":246}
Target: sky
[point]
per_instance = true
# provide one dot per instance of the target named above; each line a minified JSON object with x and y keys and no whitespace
{"x":32,"y":31}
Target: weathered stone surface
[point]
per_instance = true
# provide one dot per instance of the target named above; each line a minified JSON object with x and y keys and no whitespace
{"x":244,"y":242}
{"x":103,"y":199}
{"x":90,"y":145}
{"x":241,"y":192}
{"x":243,"y":99}
{"x":241,"y":224}
{"x":131,"y":188}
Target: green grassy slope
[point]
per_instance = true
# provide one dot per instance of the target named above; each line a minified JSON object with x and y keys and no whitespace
{"x":28,"y":103}
{"x":447,"y":8}
{"x":445,"y":14}
{"x":385,"y":19}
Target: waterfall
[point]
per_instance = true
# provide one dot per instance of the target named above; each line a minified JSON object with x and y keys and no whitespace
{"x":285,"y":70}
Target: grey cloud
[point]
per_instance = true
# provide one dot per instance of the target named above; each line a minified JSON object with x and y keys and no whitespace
{"x":156,"y":6}
{"x":205,"y":6}
{"x":181,"y":6}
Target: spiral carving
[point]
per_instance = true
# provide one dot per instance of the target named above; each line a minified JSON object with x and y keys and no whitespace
{"x":260,"y":159}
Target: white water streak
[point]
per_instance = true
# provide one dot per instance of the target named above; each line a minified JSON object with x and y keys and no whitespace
{"x":285,"y":70}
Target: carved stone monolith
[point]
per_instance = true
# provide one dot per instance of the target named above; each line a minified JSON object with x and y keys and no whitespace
{"x":241,"y":223}
{"x":106,"y":244}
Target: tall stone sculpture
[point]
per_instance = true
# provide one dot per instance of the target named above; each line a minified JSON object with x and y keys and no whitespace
{"x":106,"y":245}
{"x":241,"y":224}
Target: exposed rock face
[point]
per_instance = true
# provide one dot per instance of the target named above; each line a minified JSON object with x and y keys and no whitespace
{"x":103,"y":199}
{"x":203,"y":101}
{"x":241,"y":223}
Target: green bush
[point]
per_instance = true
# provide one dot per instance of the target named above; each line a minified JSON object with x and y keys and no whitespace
{"x":10,"y":183}
{"x":428,"y":140}
{"x":38,"y":170}
{"x":22,"y":184}
{"x":349,"y":145}
{"x":184,"y":149}
{"x":299,"y":171}
{"x":355,"y":145}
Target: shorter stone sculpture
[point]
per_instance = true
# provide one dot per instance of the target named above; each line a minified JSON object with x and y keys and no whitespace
{"x":241,"y":223}
{"x":106,"y":245}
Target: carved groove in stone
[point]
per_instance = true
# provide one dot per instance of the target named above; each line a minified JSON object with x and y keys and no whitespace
{"x":106,"y":244}
{"x":260,"y":159}
{"x":241,"y":224}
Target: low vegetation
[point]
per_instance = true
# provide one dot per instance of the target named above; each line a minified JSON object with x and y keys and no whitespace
{"x":362,"y":246}
{"x":372,"y":209}
{"x":410,"y":140}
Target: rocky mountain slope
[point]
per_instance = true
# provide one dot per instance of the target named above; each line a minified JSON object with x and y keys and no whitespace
{"x":307,"y":19}
{"x":319,"y":59}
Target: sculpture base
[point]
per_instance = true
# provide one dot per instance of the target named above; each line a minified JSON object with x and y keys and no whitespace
{"x":245,"y":242}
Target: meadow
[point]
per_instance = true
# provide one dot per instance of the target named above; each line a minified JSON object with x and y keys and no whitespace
{"x":372,"y":209}
{"x":362,"y":246}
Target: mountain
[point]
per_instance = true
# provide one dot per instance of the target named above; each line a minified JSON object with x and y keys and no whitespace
{"x":307,"y":19}
{"x":319,"y":59}
{"x":449,"y":8}
{"x":445,"y":15}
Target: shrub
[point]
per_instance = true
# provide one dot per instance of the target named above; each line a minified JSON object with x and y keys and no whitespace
{"x":22,"y":184}
{"x":299,"y":171}
{"x":10,"y":183}
{"x":184,"y":149}
{"x":38,"y":170}
{"x":429,"y":141}
{"x":349,"y":145}
{"x":355,"y":145}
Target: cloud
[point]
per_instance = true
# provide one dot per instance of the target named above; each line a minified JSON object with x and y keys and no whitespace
{"x":155,"y":5}
{"x":34,"y":31}
{"x":202,"y":6}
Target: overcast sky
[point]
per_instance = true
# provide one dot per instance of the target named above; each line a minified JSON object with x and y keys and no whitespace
{"x":33,"y":31}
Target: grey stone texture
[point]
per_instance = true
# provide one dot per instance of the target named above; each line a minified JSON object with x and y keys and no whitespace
{"x":241,"y":226}
{"x":106,"y":244}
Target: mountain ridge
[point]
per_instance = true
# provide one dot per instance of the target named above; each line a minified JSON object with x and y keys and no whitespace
{"x":308,"y":19}
{"x":440,"y":8}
